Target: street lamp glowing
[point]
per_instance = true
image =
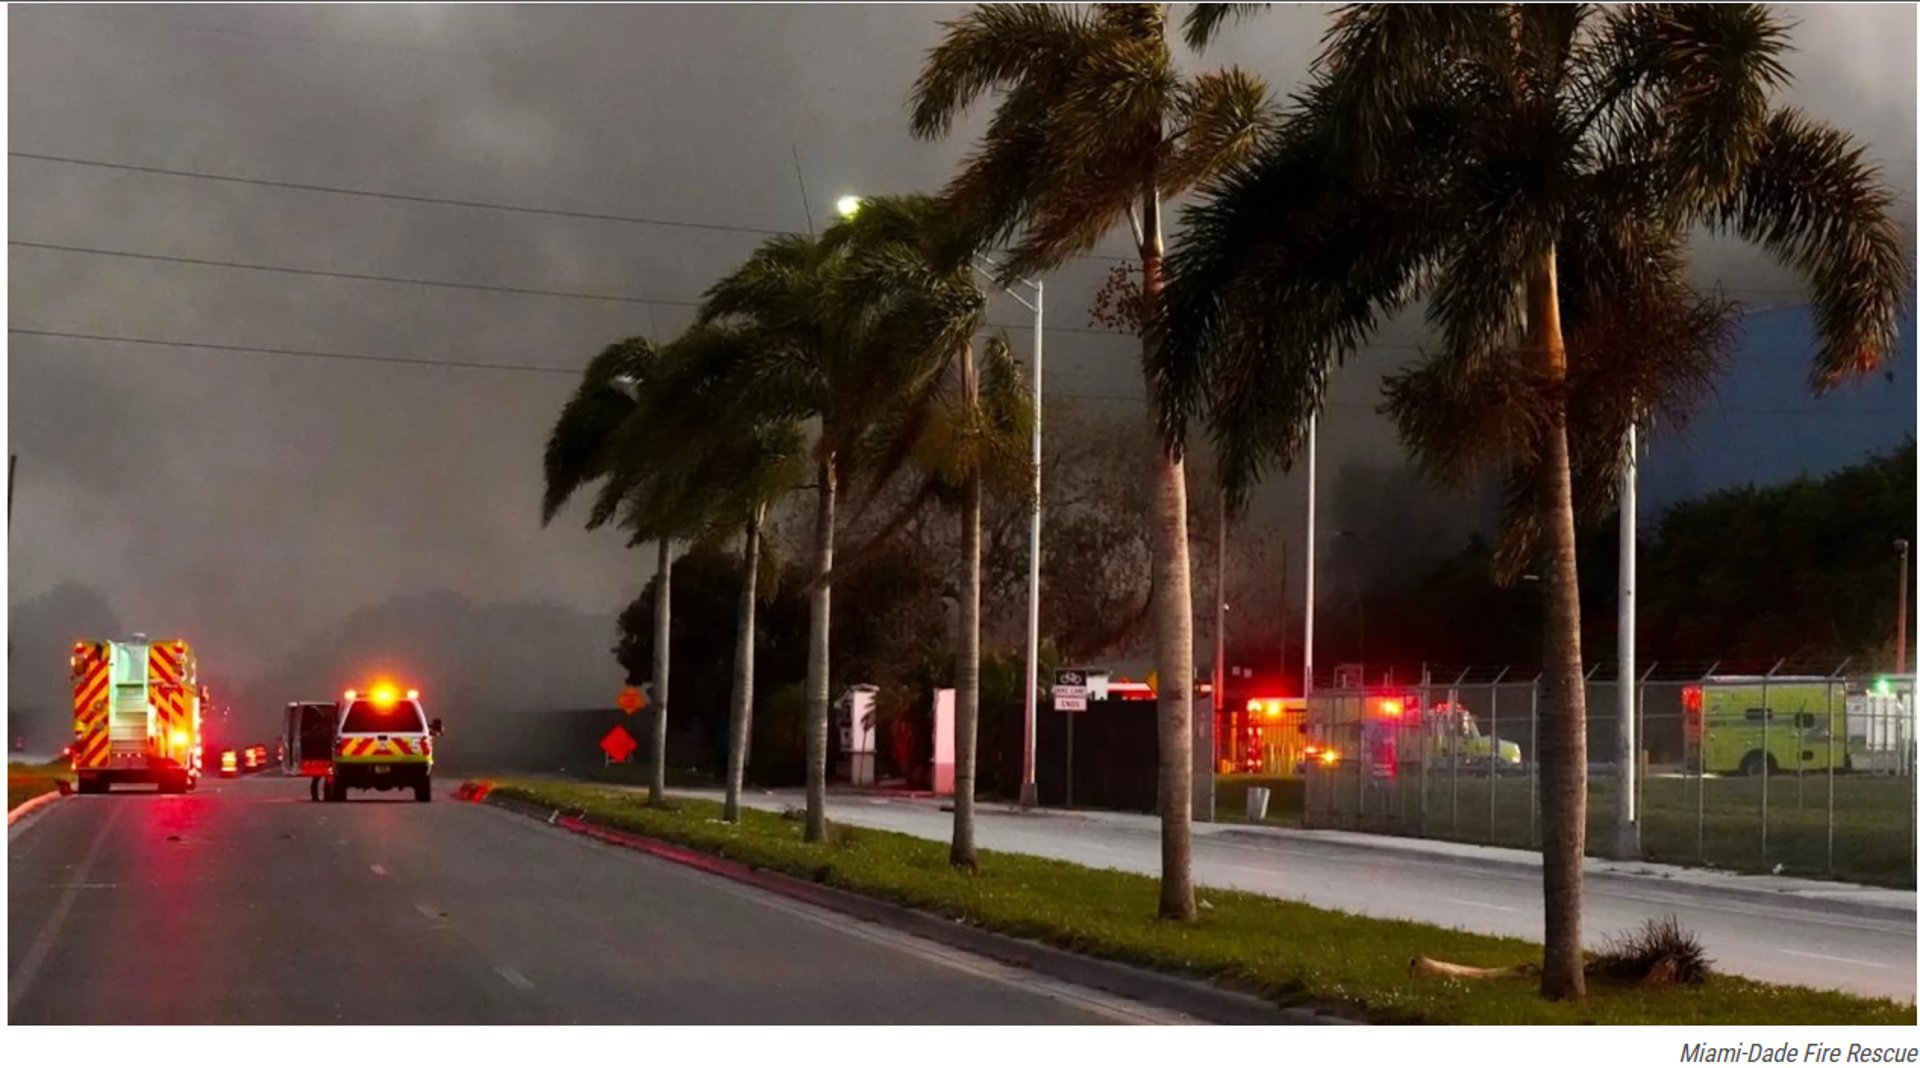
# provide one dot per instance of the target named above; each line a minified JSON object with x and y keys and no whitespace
{"x":848,"y":206}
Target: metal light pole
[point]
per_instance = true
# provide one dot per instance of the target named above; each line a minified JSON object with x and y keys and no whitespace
{"x":848,"y":206}
{"x":1306,"y":667}
{"x":1626,"y":816}
{"x":1899,"y":621}
{"x":1203,"y":804}
{"x":1029,"y":793}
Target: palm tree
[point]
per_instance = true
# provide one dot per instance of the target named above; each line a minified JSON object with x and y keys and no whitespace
{"x":719,"y":461}
{"x":1094,"y":126}
{"x":584,"y":447}
{"x":815,"y":354}
{"x":915,"y":275}
{"x":1533,"y":173}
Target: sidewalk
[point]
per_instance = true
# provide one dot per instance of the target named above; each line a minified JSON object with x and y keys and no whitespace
{"x":1817,"y":892}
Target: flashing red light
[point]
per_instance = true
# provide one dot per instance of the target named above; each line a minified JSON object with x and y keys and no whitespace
{"x":1691,"y":698}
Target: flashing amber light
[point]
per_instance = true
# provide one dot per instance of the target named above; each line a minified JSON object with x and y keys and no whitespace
{"x":351,"y":694}
{"x":178,"y":737}
{"x":1391,"y":707}
{"x":383,"y":696}
{"x":1330,"y":757}
{"x":413,"y":695}
{"x":180,"y":646}
{"x":1253,"y":705}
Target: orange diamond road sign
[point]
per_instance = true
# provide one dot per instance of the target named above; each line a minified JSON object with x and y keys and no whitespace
{"x":632,"y":700}
{"x":618,"y":745}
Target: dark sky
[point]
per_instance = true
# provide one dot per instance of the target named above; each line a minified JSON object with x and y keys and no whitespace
{"x":255,"y":502}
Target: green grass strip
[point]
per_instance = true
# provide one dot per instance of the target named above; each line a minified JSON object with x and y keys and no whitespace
{"x":1295,"y":954}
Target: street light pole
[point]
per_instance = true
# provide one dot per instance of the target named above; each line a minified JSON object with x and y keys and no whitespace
{"x":1029,"y":792}
{"x":1900,"y":621}
{"x":1626,"y":817}
{"x":1306,"y":667}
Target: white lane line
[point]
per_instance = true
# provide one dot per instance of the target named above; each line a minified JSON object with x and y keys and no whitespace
{"x":514,"y":979}
{"x":430,"y":912}
{"x":21,"y":982}
{"x":1482,"y":905}
{"x":1836,"y":960}
{"x":378,"y":870}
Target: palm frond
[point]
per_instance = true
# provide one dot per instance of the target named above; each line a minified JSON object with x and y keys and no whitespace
{"x":1810,"y":197}
{"x":576,"y":450}
{"x":1224,"y":115}
{"x":1204,"y":21}
{"x":992,"y":46}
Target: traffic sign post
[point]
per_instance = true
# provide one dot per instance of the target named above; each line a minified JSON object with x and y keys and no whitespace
{"x":1070,"y":691}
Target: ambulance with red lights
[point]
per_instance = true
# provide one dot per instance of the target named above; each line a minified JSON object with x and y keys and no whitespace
{"x":384,"y":742}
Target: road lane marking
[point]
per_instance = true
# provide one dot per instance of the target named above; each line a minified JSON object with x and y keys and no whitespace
{"x":514,"y":979}
{"x":21,"y":981}
{"x":430,"y":913}
{"x":1837,"y":960}
{"x":1482,"y":905}
{"x":378,"y":870}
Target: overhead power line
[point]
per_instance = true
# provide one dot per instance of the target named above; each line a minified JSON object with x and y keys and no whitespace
{"x":527,"y":368}
{"x":408,"y":198}
{"x":436,"y":283}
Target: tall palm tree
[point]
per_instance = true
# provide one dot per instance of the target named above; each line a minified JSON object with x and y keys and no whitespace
{"x":815,"y":354}
{"x":1533,"y":173}
{"x":718,"y":461}
{"x":584,"y":447}
{"x":1094,"y":126}
{"x":915,"y":275}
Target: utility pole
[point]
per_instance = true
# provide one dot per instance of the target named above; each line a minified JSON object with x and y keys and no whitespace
{"x":1899,"y":623}
{"x":14,"y":458}
{"x":1029,"y":793}
{"x":1626,"y":817}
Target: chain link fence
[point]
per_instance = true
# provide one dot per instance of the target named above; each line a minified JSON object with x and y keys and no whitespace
{"x":1780,"y":770}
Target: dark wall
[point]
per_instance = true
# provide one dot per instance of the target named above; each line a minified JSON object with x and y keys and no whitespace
{"x":1115,"y":748}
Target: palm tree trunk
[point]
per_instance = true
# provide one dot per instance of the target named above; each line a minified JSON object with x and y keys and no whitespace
{"x":1173,"y":616}
{"x":966,"y":720}
{"x":740,"y":716}
{"x":662,"y":617}
{"x":817,"y":661}
{"x":1563,"y":731}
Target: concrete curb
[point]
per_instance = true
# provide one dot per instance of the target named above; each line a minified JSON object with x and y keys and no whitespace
{"x":1196,"y":998}
{"x":31,"y":805}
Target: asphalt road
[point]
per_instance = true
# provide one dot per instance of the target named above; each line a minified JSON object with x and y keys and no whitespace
{"x":245,"y":903}
{"x":1822,"y":944}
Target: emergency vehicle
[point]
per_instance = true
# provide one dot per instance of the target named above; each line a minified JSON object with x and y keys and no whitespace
{"x":1268,"y":737}
{"x":1385,"y":729}
{"x":1749,"y":725}
{"x":383,"y":742}
{"x":136,"y":714}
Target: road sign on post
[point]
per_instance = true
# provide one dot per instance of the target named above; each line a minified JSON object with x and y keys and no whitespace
{"x":632,"y":700}
{"x":1070,"y":691}
{"x":618,"y":745}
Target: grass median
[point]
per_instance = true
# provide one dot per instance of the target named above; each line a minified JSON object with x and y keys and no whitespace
{"x":28,"y":781}
{"x":1295,"y":954}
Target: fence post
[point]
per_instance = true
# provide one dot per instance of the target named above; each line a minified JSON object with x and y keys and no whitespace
{"x":1453,"y":755}
{"x":1426,"y":710}
{"x":1493,"y":766}
{"x":1700,"y":759}
{"x":1829,"y":721}
{"x":1766,"y":756}
{"x":1533,"y":770}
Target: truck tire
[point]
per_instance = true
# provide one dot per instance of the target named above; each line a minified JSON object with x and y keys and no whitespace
{"x":1756,"y":762}
{"x":313,"y":788}
{"x":336,"y":791}
{"x":423,"y":790}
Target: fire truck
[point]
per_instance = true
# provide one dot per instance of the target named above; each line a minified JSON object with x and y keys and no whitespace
{"x":1383,"y":729}
{"x":136,"y":714}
